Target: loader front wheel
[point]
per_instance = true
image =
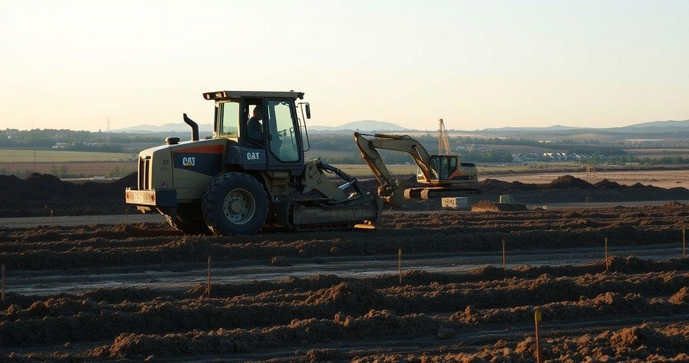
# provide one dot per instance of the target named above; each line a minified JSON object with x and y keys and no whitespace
{"x":235,"y":203}
{"x":187,"y":220}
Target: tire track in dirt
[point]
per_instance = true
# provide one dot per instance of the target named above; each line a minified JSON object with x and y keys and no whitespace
{"x":65,"y":318}
{"x":107,"y":246}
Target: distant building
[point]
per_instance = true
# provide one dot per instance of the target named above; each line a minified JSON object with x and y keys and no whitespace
{"x":61,"y":145}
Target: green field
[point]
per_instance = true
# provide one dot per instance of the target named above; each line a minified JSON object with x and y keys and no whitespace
{"x":42,"y":156}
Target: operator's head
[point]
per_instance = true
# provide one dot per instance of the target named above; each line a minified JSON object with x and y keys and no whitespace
{"x":257,"y":111}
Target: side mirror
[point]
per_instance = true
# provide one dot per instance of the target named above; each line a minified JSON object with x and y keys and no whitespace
{"x":308,"y":111}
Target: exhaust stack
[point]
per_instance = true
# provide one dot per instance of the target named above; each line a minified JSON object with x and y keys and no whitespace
{"x":194,"y":128}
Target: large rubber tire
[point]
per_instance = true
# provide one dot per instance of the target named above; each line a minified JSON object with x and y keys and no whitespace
{"x":235,"y":203}
{"x":185,"y":221}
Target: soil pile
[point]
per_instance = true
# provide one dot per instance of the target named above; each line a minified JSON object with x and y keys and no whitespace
{"x":495,"y":185}
{"x":682,"y":296}
{"x":488,"y":206}
{"x":569,"y":182}
{"x":607,"y":184}
{"x":39,"y":193}
{"x":565,"y":182}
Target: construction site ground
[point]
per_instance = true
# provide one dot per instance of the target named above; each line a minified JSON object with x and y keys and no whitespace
{"x":138,"y":291}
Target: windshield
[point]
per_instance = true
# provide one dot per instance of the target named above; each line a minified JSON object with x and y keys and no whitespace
{"x":228,"y":118}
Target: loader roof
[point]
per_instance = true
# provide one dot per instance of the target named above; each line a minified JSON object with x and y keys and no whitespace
{"x":229,"y":95}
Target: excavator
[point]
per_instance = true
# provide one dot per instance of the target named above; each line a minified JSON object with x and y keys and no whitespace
{"x":250,"y":171}
{"x":439,"y":175}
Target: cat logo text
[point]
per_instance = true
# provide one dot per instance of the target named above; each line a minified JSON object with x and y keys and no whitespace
{"x":189,"y":161}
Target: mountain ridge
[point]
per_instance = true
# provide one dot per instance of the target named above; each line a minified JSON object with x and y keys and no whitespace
{"x":667,"y":126}
{"x":364,"y":125}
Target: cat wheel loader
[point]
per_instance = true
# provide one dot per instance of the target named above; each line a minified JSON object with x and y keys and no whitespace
{"x":440,"y":175}
{"x":251,"y":170}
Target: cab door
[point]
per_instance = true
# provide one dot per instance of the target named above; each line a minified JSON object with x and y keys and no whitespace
{"x":285,"y":151}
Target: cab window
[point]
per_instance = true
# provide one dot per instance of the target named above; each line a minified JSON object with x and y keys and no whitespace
{"x":228,"y":114}
{"x":435,"y":167}
{"x":283,"y":137}
{"x":444,"y":167}
{"x":453,"y":165}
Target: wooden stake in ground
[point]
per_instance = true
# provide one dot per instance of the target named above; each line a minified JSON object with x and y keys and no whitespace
{"x":3,"y":284}
{"x":126,"y":215}
{"x":607,"y":265}
{"x":537,"y":318}
{"x":504,"y":259}
{"x":208,"y":284}
{"x":51,"y":217}
{"x":399,"y":263}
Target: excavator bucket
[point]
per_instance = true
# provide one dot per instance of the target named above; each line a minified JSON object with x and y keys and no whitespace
{"x":393,"y":196}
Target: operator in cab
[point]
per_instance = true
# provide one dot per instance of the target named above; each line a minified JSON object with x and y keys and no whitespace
{"x":254,"y":126}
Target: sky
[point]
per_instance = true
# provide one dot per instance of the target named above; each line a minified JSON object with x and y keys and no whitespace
{"x":476,"y":64}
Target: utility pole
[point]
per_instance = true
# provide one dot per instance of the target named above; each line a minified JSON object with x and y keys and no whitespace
{"x":107,"y":129}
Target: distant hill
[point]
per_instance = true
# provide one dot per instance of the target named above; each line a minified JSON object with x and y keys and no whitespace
{"x":364,"y":125}
{"x":653,"y":127}
{"x":171,"y":127}
{"x":548,"y":128}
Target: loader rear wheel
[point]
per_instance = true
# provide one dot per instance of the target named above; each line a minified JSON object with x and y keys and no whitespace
{"x":185,"y":220}
{"x":235,"y":203}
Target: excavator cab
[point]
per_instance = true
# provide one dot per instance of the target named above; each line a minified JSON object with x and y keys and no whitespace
{"x":447,"y":168}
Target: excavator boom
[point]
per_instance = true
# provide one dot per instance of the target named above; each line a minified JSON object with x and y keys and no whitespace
{"x":442,"y":174}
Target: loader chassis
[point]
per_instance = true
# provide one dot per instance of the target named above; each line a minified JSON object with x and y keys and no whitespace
{"x":247,"y":173}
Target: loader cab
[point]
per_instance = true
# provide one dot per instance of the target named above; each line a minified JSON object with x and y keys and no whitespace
{"x":264,"y":124}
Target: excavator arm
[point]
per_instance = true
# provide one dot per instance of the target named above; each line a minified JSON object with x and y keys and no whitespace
{"x":391,"y":191}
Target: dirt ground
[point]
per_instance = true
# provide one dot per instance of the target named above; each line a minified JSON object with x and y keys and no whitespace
{"x":336,"y":296}
{"x":40,"y":194}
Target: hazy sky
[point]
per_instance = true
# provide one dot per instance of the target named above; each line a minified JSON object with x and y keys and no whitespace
{"x":477,"y":64}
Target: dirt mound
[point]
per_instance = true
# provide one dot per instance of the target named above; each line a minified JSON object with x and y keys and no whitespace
{"x":127,"y":181}
{"x":638,"y":185}
{"x":673,"y":205}
{"x":569,"y":182}
{"x":350,"y":295}
{"x":682,"y":296}
{"x":46,"y":187}
{"x":644,"y":335}
{"x":565,"y":182}
{"x":607,"y":184}
{"x":40,"y":193}
{"x":494,"y":185}
{"x":488,"y":206}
